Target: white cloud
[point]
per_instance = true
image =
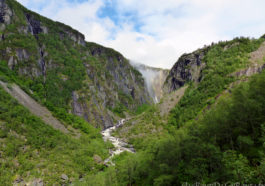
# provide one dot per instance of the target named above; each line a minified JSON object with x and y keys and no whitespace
{"x":168,"y":27}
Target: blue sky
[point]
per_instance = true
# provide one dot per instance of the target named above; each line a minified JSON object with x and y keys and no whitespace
{"x":156,"y":32}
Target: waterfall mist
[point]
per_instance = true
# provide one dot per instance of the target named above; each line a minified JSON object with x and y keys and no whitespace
{"x":154,"y":79}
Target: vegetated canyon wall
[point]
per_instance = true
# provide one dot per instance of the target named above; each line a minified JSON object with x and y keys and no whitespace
{"x":187,"y":68}
{"x":65,"y":71}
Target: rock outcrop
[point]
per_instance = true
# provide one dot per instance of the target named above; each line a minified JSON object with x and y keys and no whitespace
{"x":34,"y":25}
{"x":187,"y":68}
{"x":257,"y":63}
{"x":5,"y":15}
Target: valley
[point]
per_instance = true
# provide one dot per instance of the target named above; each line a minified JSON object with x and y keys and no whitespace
{"x":74,"y":112}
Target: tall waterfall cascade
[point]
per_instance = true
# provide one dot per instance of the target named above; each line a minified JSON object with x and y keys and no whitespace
{"x":154,"y":79}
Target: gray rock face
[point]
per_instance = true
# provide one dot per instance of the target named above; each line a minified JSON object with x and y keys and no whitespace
{"x":77,"y":37}
{"x":91,"y":111}
{"x":255,"y":69}
{"x":22,"y":54}
{"x":12,"y":62}
{"x":76,"y":106}
{"x":42,"y":62}
{"x":187,"y":68}
{"x":34,"y":26}
{"x":5,"y":14}
{"x":117,"y":83}
{"x":2,"y":37}
{"x":127,"y":80}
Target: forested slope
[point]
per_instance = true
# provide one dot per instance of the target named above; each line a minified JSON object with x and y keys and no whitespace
{"x":216,"y":131}
{"x":31,"y":151}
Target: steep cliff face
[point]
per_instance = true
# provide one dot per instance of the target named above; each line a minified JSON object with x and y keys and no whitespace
{"x":154,"y":80}
{"x":63,"y":70}
{"x":193,"y":67}
{"x":187,"y":68}
{"x":5,"y":14}
{"x":112,"y":83}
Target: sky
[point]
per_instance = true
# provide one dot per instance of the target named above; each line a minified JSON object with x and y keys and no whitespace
{"x":156,"y":32}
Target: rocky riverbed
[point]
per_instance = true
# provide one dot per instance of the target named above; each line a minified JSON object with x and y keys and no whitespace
{"x":120,"y":146}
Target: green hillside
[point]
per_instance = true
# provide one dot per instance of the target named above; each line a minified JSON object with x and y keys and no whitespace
{"x":66,"y":73}
{"x":215,"y":133}
{"x":209,"y":126}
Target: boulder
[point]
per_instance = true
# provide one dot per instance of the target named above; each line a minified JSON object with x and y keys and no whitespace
{"x":64,"y":177}
{"x":37,"y":182}
{"x":97,"y":159}
{"x":19,"y":181}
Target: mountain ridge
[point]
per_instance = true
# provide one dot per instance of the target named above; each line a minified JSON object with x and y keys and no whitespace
{"x":62,"y":68}
{"x":209,"y":126}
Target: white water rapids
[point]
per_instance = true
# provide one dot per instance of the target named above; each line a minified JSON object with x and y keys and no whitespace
{"x":120,"y":146}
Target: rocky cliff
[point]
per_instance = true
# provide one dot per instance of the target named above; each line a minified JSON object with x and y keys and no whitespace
{"x":187,"y":68}
{"x":63,"y":71}
{"x":193,"y":67}
{"x":154,"y":80}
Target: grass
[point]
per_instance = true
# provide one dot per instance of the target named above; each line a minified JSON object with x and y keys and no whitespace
{"x":31,"y":149}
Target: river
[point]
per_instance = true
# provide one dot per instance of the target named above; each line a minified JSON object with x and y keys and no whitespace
{"x":120,"y":146}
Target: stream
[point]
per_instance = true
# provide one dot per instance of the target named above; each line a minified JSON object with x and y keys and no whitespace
{"x":120,"y":146}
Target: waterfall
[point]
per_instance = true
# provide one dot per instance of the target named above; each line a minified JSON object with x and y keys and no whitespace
{"x":154,"y":79}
